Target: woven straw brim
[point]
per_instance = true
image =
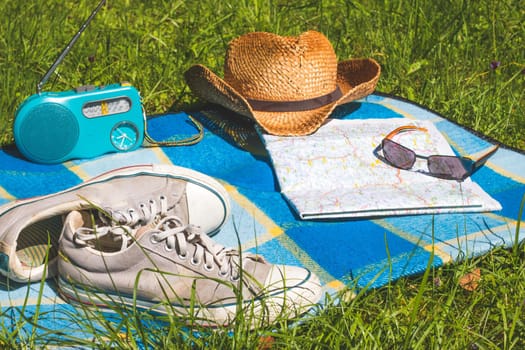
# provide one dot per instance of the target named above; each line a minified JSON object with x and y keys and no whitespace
{"x":356,"y":78}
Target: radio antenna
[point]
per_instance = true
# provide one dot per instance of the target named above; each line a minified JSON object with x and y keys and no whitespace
{"x":68,"y":47}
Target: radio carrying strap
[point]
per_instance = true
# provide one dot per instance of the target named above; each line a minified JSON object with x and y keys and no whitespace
{"x":150,"y":142}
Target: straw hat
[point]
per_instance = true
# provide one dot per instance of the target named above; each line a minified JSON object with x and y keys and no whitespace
{"x":288,"y":85}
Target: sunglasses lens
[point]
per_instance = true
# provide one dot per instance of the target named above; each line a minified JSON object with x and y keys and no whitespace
{"x":448,"y":167}
{"x":398,"y":155}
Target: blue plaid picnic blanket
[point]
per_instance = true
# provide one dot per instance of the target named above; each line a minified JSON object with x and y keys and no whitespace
{"x":360,"y":252}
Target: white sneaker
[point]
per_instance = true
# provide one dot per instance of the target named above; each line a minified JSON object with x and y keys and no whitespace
{"x":172,"y":268}
{"x":135,"y":195}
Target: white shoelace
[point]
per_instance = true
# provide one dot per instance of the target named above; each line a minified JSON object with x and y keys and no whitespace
{"x":84,"y":235}
{"x":148,"y":212}
{"x":177,"y":237}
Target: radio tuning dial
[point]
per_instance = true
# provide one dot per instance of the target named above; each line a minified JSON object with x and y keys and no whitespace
{"x":106,"y":107}
{"x":124,"y":136}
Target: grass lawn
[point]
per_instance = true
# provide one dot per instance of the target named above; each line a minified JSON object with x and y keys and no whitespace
{"x":464,"y":59}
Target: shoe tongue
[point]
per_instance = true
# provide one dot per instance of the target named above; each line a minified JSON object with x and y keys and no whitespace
{"x":136,"y":233}
{"x":143,"y":229}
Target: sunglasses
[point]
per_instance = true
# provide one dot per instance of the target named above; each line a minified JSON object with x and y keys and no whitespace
{"x":445,"y":167}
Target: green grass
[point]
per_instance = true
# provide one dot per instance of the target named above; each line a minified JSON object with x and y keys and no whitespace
{"x":437,"y":53}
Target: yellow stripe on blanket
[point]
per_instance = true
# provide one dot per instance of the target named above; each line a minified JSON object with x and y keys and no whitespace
{"x":6,"y":195}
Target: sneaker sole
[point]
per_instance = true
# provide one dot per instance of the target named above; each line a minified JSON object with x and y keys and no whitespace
{"x":221,"y":315}
{"x":182,"y":173}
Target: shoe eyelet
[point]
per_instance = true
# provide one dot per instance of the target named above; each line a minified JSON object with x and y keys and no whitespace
{"x":151,"y":201}
{"x":153,"y":239}
{"x":182,"y":256}
{"x":222,"y":274}
{"x":235,"y":279}
{"x":142,"y":205}
{"x":168,"y":249}
{"x":162,"y":197}
{"x":131,"y":210}
{"x":194,"y":262}
{"x":208,"y":268}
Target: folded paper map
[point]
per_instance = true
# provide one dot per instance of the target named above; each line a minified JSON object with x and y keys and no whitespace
{"x":334,"y":173}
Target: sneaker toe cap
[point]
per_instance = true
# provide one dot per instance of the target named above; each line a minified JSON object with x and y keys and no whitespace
{"x":208,"y":207}
{"x":295,"y":288}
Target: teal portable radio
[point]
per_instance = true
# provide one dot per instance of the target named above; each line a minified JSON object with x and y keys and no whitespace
{"x":52,"y":127}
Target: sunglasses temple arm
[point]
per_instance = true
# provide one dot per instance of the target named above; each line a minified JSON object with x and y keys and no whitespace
{"x":482,"y":159}
{"x":404,"y":128}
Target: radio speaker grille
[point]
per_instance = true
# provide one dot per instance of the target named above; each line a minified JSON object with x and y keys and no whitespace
{"x":49,"y":132}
